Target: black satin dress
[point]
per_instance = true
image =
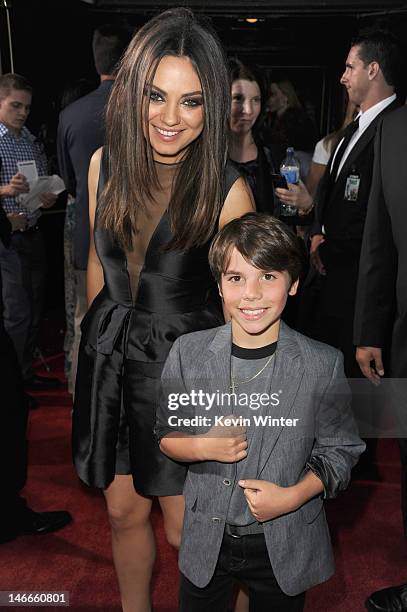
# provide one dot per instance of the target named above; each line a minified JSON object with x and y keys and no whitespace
{"x":124,"y":344}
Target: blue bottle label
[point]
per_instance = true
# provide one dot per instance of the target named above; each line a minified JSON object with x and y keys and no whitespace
{"x":291,"y":174}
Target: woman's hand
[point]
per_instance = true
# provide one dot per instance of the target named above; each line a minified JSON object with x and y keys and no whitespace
{"x":296,"y":195}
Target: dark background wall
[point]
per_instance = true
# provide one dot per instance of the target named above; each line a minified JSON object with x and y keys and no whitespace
{"x":304,"y":41}
{"x":52,"y":40}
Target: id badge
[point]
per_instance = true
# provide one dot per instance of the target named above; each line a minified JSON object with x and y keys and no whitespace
{"x":352,"y":187}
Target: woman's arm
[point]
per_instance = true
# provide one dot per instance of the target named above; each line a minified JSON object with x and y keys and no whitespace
{"x":94,"y":277}
{"x":239,"y":201}
{"x":315,"y":174}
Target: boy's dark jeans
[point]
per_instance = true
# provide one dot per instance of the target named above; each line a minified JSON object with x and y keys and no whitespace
{"x":242,"y":560}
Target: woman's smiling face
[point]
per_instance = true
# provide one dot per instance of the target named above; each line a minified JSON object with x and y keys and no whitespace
{"x":175,"y":112}
{"x":246,"y":105}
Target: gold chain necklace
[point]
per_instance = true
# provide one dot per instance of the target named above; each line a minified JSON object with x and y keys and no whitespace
{"x":235,"y":383}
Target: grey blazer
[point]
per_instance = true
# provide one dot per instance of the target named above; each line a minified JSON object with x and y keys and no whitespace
{"x":309,"y":378}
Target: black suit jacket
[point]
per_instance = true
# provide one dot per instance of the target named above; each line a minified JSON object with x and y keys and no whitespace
{"x":81,"y":131}
{"x":381,"y":304}
{"x":344,"y":221}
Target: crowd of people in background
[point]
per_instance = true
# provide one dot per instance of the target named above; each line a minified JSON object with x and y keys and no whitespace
{"x":172,"y":146}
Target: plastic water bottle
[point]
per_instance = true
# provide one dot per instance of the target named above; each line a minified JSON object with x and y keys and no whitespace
{"x":290,"y":168}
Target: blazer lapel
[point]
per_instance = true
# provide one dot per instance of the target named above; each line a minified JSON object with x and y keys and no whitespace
{"x":359,"y":147}
{"x":215,"y":372}
{"x":361,"y":144}
{"x":214,"y":378}
{"x":286,"y":380}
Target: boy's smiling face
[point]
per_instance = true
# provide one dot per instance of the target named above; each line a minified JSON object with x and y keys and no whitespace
{"x":255,"y":300}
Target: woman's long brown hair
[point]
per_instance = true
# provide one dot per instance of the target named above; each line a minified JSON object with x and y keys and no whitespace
{"x":197,"y":195}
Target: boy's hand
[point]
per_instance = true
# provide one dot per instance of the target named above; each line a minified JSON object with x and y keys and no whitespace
{"x":223,"y":443}
{"x":267,"y":500}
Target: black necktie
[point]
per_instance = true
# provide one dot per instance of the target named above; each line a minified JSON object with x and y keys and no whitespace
{"x":347,"y":135}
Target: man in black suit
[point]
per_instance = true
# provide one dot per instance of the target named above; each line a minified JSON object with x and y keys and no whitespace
{"x":381,"y":305}
{"x":16,"y":518}
{"x":80,"y":132}
{"x":342,"y":199}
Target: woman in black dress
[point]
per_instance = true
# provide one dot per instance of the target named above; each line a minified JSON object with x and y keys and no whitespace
{"x":158,"y":193}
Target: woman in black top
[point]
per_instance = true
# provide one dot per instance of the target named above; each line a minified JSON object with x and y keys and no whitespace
{"x":253,"y":160}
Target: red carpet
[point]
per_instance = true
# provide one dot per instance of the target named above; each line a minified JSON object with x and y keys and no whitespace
{"x":365,"y":525}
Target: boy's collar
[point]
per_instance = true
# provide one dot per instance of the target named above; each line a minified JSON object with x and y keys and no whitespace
{"x":287,"y":340}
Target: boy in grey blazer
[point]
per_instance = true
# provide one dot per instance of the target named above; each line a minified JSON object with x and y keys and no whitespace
{"x":262,"y":416}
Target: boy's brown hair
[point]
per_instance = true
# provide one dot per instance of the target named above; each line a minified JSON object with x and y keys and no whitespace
{"x":264,"y":242}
